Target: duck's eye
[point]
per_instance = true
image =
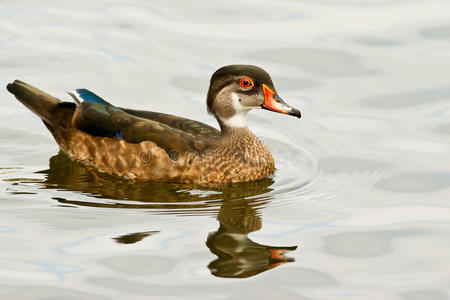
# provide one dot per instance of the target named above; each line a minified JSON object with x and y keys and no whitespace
{"x":246,"y":83}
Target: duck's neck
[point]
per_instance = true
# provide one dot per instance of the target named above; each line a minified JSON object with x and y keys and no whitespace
{"x":228,"y":131}
{"x":240,"y":152}
{"x":239,"y":138}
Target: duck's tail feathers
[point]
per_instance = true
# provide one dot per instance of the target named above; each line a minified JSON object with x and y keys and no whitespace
{"x":36,"y":100}
{"x":44,"y":105}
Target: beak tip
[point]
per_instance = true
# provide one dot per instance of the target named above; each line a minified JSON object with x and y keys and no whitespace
{"x":296,"y":113}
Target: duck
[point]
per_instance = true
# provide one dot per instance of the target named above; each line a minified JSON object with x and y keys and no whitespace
{"x":159,"y":147}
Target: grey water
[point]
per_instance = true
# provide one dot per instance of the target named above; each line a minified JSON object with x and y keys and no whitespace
{"x":357,"y":209}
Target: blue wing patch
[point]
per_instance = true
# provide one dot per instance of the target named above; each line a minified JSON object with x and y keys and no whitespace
{"x":87,"y":95}
{"x":119,"y":134}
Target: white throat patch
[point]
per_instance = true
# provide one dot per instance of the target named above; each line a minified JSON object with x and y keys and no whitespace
{"x":239,"y":119}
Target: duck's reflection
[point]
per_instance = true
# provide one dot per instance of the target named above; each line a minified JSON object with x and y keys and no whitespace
{"x":236,"y":207}
{"x":238,"y":255}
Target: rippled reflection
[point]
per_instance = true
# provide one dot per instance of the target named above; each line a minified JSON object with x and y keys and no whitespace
{"x":238,"y":255}
{"x":134,"y":237}
{"x":237,"y":208}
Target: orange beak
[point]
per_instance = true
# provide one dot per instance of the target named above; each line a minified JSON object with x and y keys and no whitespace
{"x":274,"y":103}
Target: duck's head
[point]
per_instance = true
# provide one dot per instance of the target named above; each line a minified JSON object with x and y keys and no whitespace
{"x":236,"y":89}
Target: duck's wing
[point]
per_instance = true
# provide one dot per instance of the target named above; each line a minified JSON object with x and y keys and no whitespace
{"x":174,"y":134}
{"x":187,"y":125}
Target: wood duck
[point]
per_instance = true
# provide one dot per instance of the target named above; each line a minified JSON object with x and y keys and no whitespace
{"x":153,"y":146}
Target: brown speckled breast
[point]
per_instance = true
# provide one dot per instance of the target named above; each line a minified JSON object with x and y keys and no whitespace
{"x":239,"y":156}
